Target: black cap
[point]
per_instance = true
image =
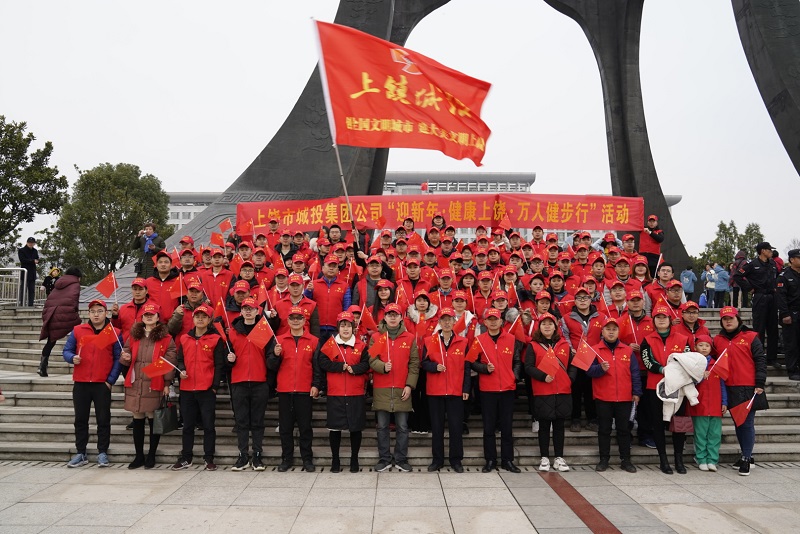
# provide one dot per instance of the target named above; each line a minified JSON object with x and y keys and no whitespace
{"x":31,"y":240}
{"x":761,"y":246}
{"x":794,"y":253}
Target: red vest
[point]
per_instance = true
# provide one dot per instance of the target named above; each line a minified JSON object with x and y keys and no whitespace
{"x":636,"y":334}
{"x":217,"y":287}
{"x":740,"y":357}
{"x":251,"y":362}
{"x":661,"y":349}
{"x":158,"y":291}
{"x":96,"y":363}
{"x":441,"y":300}
{"x":330,"y":300}
{"x":501,"y":355}
{"x":615,"y":385}
{"x":649,"y":245}
{"x":702,"y":330}
{"x":398,"y":351}
{"x":710,"y":396}
{"x":128,"y":315}
{"x":576,"y":329}
{"x":296,"y":372}
{"x":285,"y":304}
{"x":344,"y":384}
{"x":562,"y":384}
{"x":198,"y":359}
{"x":481,"y":304}
{"x":451,"y":380}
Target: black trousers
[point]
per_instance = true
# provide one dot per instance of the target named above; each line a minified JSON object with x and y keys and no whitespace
{"x":654,"y":405}
{"x":420,"y":418}
{"x":558,"y":437}
{"x":453,"y":406}
{"x":582,"y":396}
{"x":765,"y":322}
{"x":498,"y":410}
{"x":791,"y":344}
{"x":295,"y":408}
{"x":83,"y":395}
{"x":202,"y":405}
{"x":644,"y":416}
{"x":249,"y":406}
{"x":28,"y":284}
{"x":619,"y":412}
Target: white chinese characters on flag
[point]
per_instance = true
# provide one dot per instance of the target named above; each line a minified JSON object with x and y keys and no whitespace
{"x":383,"y":95}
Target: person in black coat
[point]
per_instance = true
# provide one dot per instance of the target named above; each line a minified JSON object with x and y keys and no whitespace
{"x":60,"y":313}
{"x":28,"y":260}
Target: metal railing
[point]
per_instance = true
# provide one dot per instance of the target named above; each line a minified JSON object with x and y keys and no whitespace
{"x":13,"y":283}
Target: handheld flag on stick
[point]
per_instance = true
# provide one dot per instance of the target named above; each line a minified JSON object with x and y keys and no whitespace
{"x":218,"y":239}
{"x":108,"y":285}
{"x":722,"y":365}
{"x":160,"y":367}
{"x":740,"y":412}
{"x":261,"y":334}
{"x":584,"y":355}
{"x":224,"y":226}
{"x":549,"y":365}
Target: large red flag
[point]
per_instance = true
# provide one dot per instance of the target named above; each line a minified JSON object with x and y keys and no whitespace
{"x":584,"y":356}
{"x":261,"y":334}
{"x":107,"y":285}
{"x":740,"y":412}
{"x":382,"y":95}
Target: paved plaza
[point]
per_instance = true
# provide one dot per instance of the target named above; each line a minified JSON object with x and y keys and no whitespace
{"x":49,"y":498}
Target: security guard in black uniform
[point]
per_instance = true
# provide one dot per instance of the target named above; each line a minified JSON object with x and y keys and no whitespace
{"x":759,"y":274}
{"x":787,"y":295}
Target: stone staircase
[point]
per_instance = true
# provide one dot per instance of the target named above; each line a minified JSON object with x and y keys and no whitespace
{"x":36,"y":419}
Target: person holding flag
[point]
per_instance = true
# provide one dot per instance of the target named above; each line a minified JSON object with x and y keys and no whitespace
{"x":181,"y":321}
{"x":148,"y":344}
{"x":496,"y":357}
{"x":345,"y":360}
{"x":248,"y":385}
{"x":747,"y":377}
{"x":547,"y":362}
{"x":332,"y":295}
{"x":655,"y":349}
{"x":94,"y":348}
{"x":394,"y":361}
{"x":202,"y":356}
{"x":293,"y":357}
{"x":130,"y":313}
{"x":217,"y":280}
{"x":615,"y":373}
{"x":448,"y":387}
{"x":691,"y":325}
{"x":713,"y":403}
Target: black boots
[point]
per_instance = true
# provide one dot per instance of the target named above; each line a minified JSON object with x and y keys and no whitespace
{"x":664,"y":464}
{"x":679,"y":467}
{"x":150,"y":461}
{"x":138,"y":444}
{"x":42,"y":370}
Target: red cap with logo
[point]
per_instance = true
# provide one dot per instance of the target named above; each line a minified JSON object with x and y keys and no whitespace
{"x":493,"y":312}
{"x":140,"y":282}
{"x":203,"y":308}
{"x":296,"y":279}
{"x":728,"y":311}
{"x":151,"y":308}
{"x":345,"y":316}
{"x":393,"y":308}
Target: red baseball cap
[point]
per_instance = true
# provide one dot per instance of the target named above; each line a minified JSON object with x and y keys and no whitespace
{"x":610,"y":320}
{"x":140,"y":282}
{"x":187,"y":239}
{"x":674,"y":283}
{"x":499,"y":294}
{"x":383,"y":282}
{"x":635,"y":294}
{"x":447,"y":312}
{"x":374,"y":259}
{"x":551,"y":237}
{"x":296,"y":279}
{"x":483,"y":275}
{"x":393,"y":308}
{"x":98,"y":302}
{"x":459,"y":294}
{"x":662,"y":310}
{"x":330,"y":258}
{"x":628,"y":237}
{"x":217,"y":251}
{"x":300,"y":258}
{"x":151,"y":308}
{"x":281,"y":271}
{"x":728,"y":311}
{"x":689,"y":304}
{"x":623,"y":259}
{"x":203,"y":308}
{"x":249,"y":302}
{"x":412,"y":261}
{"x":296,"y":310}
{"x":543,"y":295}
{"x":446,"y":273}
{"x":493,"y":312}
{"x":345,"y":316}
{"x":652,"y":218}
{"x":241,"y":285}
{"x":545,"y":316}
{"x":245,"y":244}
{"x":564,"y":256}
{"x":162,"y":254}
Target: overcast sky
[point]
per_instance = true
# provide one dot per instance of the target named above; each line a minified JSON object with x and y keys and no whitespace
{"x":191,"y":92}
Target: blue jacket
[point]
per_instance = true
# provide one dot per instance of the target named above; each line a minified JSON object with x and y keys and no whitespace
{"x":688,"y":279}
{"x":722,"y":278}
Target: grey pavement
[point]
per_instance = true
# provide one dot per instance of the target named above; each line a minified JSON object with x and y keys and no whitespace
{"x":49,"y":498}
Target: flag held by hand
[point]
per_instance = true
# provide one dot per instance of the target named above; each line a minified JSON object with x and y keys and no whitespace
{"x":584,"y":356}
{"x":106,"y":337}
{"x":107,"y":285}
{"x":261,"y":334}
{"x":160,"y":367}
{"x":549,"y":364}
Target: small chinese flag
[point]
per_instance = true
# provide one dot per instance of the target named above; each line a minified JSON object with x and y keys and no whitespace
{"x":236,"y":264}
{"x":313,"y":271}
{"x":221,"y":331}
{"x":219,"y":310}
{"x":415,"y":239}
{"x":158,"y":368}
{"x":422,"y":326}
{"x":517,"y":330}
{"x":106,"y":337}
{"x":433,"y":346}
{"x":380,"y":344}
{"x":565,"y":306}
{"x":176,"y":259}
{"x":460,"y":246}
{"x":107,"y":285}
{"x":177,"y":290}
{"x":368,"y":321}
{"x":584,"y":356}
{"x":261,"y":334}
{"x":262,"y":294}
{"x":245,"y":228}
{"x":218,"y":239}
{"x":224,"y":226}
{"x":330,"y":349}
{"x":474,"y":351}
{"x":549,"y":365}
{"x":461,"y":324}
{"x":740,"y":412}
{"x":722,"y":365}
{"x":626,"y":330}
{"x":505,"y":222}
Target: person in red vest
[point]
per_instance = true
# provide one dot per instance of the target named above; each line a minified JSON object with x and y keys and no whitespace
{"x":331,"y":292}
{"x":95,"y":372}
{"x":295,"y":298}
{"x":202,"y":357}
{"x":641,"y":271}
{"x":747,"y":377}
{"x":395,"y":370}
{"x":499,"y":363}
{"x":149,"y":342}
{"x":293,"y":357}
{"x":125,"y":316}
{"x":249,"y":389}
{"x":346,"y":365}
{"x":629,"y":247}
{"x":217,"y":280}
{"x":552,"y":392}
{"x":448,"y":386}
{"x":638,"y":326}
{"x":691,"y":325}
{"x":181,"y":321}
{"x":617,"y":388}
{"x":656,"y":348}
{"x":161,"y":283}
{"x":707,"y":415}
{"x":650,"y":239}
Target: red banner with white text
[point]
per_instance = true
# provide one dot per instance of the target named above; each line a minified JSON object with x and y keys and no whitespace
{"x":524,"y":210}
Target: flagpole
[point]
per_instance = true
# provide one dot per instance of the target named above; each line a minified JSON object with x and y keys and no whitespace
{"x":114,"y":277}
{"x":717,"y":360}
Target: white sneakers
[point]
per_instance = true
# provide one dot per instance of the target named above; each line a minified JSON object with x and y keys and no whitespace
{"x":544,"y":465}
{"x":560,"y":465}
{"x":703,"y":467}
{"x":712,"y":467}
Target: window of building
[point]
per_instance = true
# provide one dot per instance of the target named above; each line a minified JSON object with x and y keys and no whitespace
{"x":186,"y":215}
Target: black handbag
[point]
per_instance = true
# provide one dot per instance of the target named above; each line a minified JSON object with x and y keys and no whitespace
{"x":165,"y":419}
